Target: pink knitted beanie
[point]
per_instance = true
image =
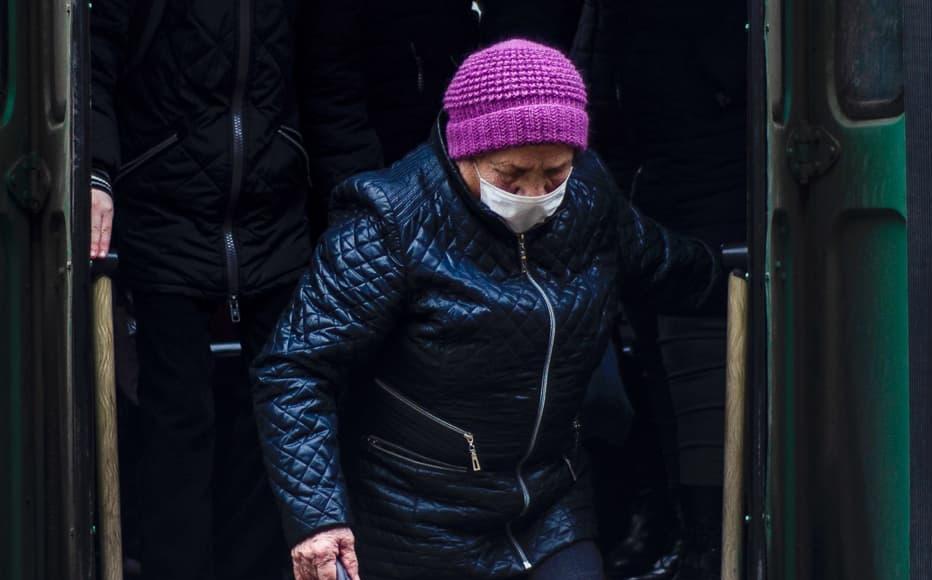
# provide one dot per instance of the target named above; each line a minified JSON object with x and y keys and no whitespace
{"x":515,"y":93}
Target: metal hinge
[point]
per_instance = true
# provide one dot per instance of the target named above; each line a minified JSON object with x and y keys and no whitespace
{"x":28,"y":182}
{"x":811,"y":151}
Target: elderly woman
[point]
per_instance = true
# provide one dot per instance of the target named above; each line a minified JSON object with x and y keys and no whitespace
{"x":454,"y":313}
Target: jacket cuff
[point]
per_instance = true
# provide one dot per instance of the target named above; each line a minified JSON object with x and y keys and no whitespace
{"x":294,"y":541}
{"x":297,"y":531}
{"x":100,"y":179}
{"x":718,"y":282}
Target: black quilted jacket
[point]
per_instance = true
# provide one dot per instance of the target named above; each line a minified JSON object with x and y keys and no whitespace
{"x":197,"y":132}
{"x":460,"y":353}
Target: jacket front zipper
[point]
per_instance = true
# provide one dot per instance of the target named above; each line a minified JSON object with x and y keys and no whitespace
{"x":542,"y":401}
{"x":466,"y":435}
{"x":239,"y":155}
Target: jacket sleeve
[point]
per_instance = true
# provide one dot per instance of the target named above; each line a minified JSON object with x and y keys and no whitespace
{"x":552,"y":22}
{"x":676,"y":274}
{"x":345,"y":305}
{"x":110,"y":20}
{"x":333,"y":93}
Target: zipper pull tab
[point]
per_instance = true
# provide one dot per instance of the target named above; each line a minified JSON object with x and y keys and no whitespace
{"x":522,"y":252}
{"x":473,"y":454}
{"x":234,"y":308}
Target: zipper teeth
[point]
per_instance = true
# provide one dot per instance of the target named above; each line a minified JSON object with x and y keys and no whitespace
{"x":145,"y":156}
{"x":517,"y":546}
{"x":545,"y":380}
{"x":229,"y":242}
{"x":383,"y":446}
{"x":420,"y":409}
{"x":239,"y":146}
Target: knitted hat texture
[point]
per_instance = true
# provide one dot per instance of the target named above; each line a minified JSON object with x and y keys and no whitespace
{"x":515,"y":93}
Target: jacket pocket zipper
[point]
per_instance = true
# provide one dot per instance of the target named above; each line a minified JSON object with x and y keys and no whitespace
{"x":466,"y":435}
{"x":145,"y":156}
{"x":406,"y":455}
{"x":293,"y":137}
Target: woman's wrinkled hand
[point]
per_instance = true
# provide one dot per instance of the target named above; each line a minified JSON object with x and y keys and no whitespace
{"x":101,"y":222}
{"x":316,"y":557}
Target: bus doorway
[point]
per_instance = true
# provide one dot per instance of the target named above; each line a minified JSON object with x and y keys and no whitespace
{"x":837,"y":399}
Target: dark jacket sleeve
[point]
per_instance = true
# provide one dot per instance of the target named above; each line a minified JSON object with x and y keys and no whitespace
{"x":344,"y":307}
{"x":674,"y":273}
{"x":583,"y":49}
{"x":332,"y":89}
{"x":110,"y":20}
{"x":552,"y":22}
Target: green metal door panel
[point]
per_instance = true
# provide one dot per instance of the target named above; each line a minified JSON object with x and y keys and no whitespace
{"x":15,"y":514}
{"x":863,"y":431}
{"x":782,"y":466}
{"x":788,"y":536}
{"x":13,"y":524}
{"x":45,"y":492}
{"x":839,"y":432}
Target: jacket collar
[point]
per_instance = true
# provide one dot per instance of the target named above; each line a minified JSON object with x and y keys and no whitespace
{"x":458,"y":184}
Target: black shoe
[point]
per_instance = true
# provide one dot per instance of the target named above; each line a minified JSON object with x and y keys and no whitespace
{"x":702,"y":536}
{"x":701,"y":565}
{"x":665,"y":568}
{"x":650,"y":551}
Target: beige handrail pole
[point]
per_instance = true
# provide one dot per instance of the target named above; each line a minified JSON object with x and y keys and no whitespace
{"x":108,"y":467}
{"x":735,"y":429}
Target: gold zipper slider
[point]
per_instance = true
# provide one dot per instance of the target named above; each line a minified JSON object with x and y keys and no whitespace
{"x":473,"y":454}
{"x":522,"y":252}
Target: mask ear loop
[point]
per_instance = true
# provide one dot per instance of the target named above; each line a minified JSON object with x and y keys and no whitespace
{"x":479,"y":175}
{"x":521,"y":198}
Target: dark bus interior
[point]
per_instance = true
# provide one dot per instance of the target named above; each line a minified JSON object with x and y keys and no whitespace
{"x":799,"y":127}
{"x":668,"y":95}
{"x":668,"y":104}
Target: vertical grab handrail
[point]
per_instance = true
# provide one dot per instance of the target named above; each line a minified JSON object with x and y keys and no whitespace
{"x":735,"y":428}
{"x":108,"y":467}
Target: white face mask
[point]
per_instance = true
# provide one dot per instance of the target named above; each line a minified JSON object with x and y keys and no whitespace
{"x":520,"y":212}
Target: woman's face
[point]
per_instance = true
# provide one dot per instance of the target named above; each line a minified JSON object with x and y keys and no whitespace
{"x":530,"y":170}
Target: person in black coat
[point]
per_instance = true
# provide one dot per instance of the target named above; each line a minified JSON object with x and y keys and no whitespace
{"x":195,"y":137}
{"x":668,"y":83}
{"x":455,"y":310}
{"x":374,"y":74}
{"x":550,"y":22}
